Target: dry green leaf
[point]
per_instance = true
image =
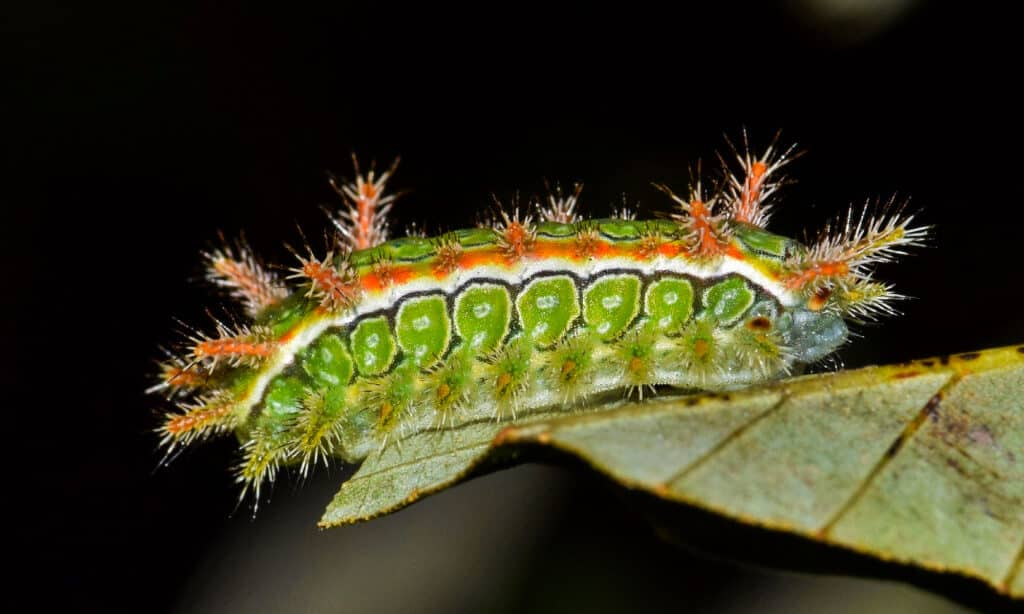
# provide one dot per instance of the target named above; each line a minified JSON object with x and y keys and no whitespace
{"x":920,"y":463}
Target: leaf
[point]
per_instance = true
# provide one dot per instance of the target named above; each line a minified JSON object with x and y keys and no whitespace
{"x":919,"y":463}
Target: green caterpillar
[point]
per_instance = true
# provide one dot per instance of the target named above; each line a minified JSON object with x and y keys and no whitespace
{"x":389,"y":337}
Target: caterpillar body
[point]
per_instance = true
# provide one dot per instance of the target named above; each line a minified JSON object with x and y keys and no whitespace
{"x":385,"y":337}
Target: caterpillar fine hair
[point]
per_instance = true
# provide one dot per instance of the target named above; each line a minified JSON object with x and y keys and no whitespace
{"x":545,"y":309}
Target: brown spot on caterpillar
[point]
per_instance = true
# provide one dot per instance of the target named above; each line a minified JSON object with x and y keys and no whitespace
{"x":443,"y":391}
{"x":820,"y":298}
{"x":691,"y":401}
{"x":760,"y":324}
{"x":1020,"y":349}
{"x":701,"y":348}
{"x":928,"y":363}
{"x":385,"y":411}
{"x":544,"y":438}
{"x":969,"y":356}
{"x":503,"y":382}
{"x":636,"y":364}
{"x":944,"y":360}
{"x":568,"y":368}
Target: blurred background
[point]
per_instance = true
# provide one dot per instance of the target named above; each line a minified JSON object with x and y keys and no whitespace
{"x":136,"y":131}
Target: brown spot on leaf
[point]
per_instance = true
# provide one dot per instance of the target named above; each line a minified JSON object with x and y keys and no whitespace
{"x":506,"y":435}
{"x":931,"y":408}
{"x":982,"y":435}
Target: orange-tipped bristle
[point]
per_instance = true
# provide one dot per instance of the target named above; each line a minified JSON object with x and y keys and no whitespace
{"x":236,"y":347}
{"x":197,"y":419}
{"x":245,"y":278}
{"x":750,"y":197}
{"x":561,"y":208}
{"x":206,"y":417}
{"x":363,"y":223}
{"x":232,"y":348}
{"x":818,"y":270}
{"x":707,"y":243}
{"x":181,"y":378}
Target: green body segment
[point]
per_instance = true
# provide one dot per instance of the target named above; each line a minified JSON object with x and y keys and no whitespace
{"x":491,"y":347}
{"x":373,"y":346}
{"x":727,"y":301}
{"x":483,"y":313}
{"x":669,"y":304}
{"x":547,"y":308}
{"x":328,"y":362}
{"x":611,"y":304}
{"x":424,"y":329}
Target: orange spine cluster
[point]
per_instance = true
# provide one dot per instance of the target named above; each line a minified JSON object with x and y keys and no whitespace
{"x":336,"y":288}
{"x":362,"y":224}
{"x":236,"y":348}
{"x":517,"y":235}
{"x":749,"y":195}
{"x":197,"y":421}
{"x":243,"y":276}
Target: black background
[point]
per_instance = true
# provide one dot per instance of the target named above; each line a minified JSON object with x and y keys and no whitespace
{"x":136,"y":132}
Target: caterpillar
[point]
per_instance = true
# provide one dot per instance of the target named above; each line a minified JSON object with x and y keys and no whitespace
{"x":381,"y":337}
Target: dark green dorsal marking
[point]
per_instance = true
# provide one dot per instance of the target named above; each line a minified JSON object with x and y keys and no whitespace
{"x":761,"y":241}
{"x":610,"y":304}
{"x":726,"y":301}
{"x":556,"y":230}
{"x":410,"y":249}
{"x":476,"y":237}
{"x":547,"y":308}
{"x":669,"y":303}
{"x":373,"y":347}
{"x":621,"y":230}
{"x":482,"y":316}
{"x":328,"y":362}
{"x":424,"y":329}
{"x":368,"y":257}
